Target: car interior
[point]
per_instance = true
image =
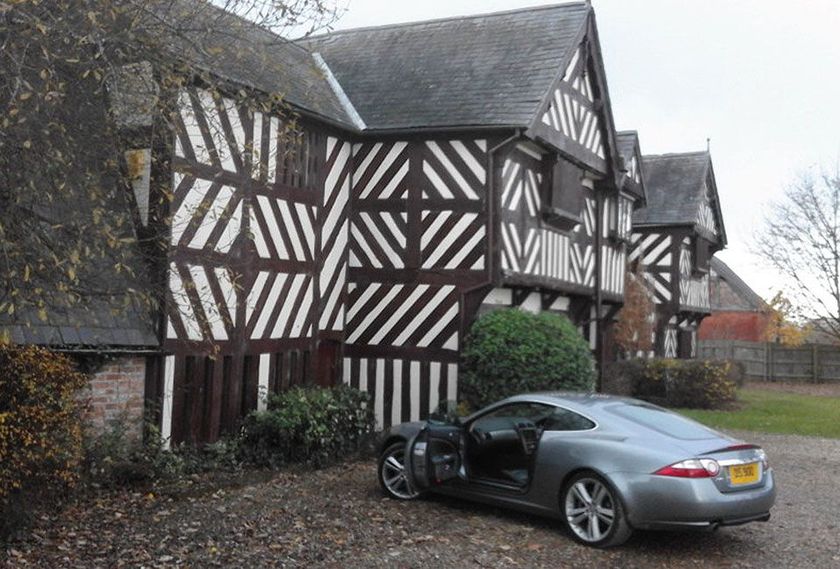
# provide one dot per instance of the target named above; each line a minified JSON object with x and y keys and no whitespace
{"x":501,"y":445}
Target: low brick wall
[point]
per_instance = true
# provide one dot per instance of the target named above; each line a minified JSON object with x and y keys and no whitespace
{"x":115,"y":393}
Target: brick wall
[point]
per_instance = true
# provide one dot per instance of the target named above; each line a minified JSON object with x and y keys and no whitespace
{"x":746,"y":326}
{"x":116,"y":393}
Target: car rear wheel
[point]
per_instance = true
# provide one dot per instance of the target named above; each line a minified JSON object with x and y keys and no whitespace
{"x":392,"y":473}
{"x":593,"y":512}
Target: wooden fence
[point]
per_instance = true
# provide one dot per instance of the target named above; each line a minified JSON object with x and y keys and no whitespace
{"x":771,"y":362}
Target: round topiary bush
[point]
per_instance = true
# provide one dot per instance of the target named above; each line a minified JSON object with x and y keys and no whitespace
{"x":511,"y":351}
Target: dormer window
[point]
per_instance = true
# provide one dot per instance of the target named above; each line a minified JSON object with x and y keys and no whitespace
{"x":620,"y":218}
{"x":566,"y":196}
{"x":702,"y":256}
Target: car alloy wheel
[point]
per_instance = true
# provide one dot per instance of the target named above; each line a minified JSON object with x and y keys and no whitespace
{"x":392,"y":474}
{"x":593,"y":512}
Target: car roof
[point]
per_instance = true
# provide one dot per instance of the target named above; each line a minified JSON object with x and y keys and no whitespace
{"x":573,"y":399}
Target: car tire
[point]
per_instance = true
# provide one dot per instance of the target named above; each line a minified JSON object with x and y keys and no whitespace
{"x":593,"y":512}
{"x":393,"y":478}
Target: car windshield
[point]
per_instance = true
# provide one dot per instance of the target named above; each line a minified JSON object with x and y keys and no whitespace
{"x":663,"y":421}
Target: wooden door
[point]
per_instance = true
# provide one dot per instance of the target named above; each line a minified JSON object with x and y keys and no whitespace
{"x":328,"y":363}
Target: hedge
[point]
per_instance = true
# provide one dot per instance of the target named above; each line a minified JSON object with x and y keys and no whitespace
{"x":697,"y":384}
{"x":512,"y":351}
{"x":309,"y":425}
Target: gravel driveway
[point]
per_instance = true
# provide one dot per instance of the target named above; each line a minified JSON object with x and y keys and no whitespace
{"x":337,"y":518}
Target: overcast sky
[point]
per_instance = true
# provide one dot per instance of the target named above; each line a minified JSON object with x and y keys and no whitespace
{"x":760,"y":78}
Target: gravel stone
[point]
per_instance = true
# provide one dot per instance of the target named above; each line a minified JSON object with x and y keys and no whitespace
{"x":337,"y":517}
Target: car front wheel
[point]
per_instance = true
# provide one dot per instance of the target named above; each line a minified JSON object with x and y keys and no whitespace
{"x":593,"y":511}
{"x":393,"y":477}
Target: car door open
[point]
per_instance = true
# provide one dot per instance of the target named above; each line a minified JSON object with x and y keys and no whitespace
{"x":436,"y":455}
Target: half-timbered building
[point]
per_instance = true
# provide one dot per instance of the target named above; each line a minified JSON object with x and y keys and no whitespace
{"x":485,"y":175}
{"x":472,"y":164}
{"x":674,"y":238}
{"x":415,"y":176}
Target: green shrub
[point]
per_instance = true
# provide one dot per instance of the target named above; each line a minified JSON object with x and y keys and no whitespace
{"x":622,"y":377}
{"x":702,"y":384}
{"x":737,"y":373}
{"x":512,"y":351}
{"x":115,"y":458}
{"x":696,"y":384}
{"x":308,"y":425}
{"x":40,"y":429}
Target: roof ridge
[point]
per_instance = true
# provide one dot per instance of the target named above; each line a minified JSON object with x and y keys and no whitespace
{"x":538,"y":8}
{"x":676,"y":154}
{"x":733,"y":275}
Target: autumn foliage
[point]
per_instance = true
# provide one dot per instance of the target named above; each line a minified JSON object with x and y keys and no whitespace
{"x":40,"y":423}
{"x":634,"y":328}
{"x":781,"y":326}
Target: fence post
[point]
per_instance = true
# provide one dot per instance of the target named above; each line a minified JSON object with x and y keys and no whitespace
{"x":769,"y":365}
{"x":815,"y":375}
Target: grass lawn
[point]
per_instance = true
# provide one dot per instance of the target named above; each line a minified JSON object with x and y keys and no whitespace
{"x":777,"y":412}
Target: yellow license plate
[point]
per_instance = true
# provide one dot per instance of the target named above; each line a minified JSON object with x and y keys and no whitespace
{"x":743,"y":473}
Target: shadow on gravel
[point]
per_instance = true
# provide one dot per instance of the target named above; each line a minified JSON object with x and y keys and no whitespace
{"x":725,"y":541}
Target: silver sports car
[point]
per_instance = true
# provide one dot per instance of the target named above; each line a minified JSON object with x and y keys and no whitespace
{"x":604,"y":465}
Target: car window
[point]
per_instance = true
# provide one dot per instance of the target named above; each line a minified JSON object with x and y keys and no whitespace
{"x":533,"y":411}
{"x":663,"y":421}
{"x":565,"y":420}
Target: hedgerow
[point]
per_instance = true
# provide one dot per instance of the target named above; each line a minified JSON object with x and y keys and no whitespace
{"x":698,"y":384}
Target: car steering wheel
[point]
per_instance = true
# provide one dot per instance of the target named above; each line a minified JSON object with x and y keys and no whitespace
{"x":520,"y":430}
{"x":477,"y":435}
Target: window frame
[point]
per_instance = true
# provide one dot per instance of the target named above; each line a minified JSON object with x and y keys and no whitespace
{"x":615,"y":232}
{"x":556,"y":212}
{"x":700,"y":262}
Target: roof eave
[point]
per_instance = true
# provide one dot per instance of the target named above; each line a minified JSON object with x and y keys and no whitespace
{"x":411,"y":130}
{"x":606,"y":110}
{"x":297,"y":107}
{"x":549,"y":93}
{"x":722,"y":239}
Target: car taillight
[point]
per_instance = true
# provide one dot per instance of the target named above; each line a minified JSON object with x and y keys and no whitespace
{"x":692,"y":468}
{"x":762,"y":456}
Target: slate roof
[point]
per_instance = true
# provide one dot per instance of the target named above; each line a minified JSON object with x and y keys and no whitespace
{"x":240,"y":51}
{"x":675,"y":189}
{"x":100,"y":318}
{"x":737,"y":284}
{"x":486,"y":70}
{"x":92,"y":324}
{"x":626,"y":142}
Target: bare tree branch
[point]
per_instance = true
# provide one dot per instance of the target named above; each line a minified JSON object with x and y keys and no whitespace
{"x":801,"y":241}
{"x":65,"y":215}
